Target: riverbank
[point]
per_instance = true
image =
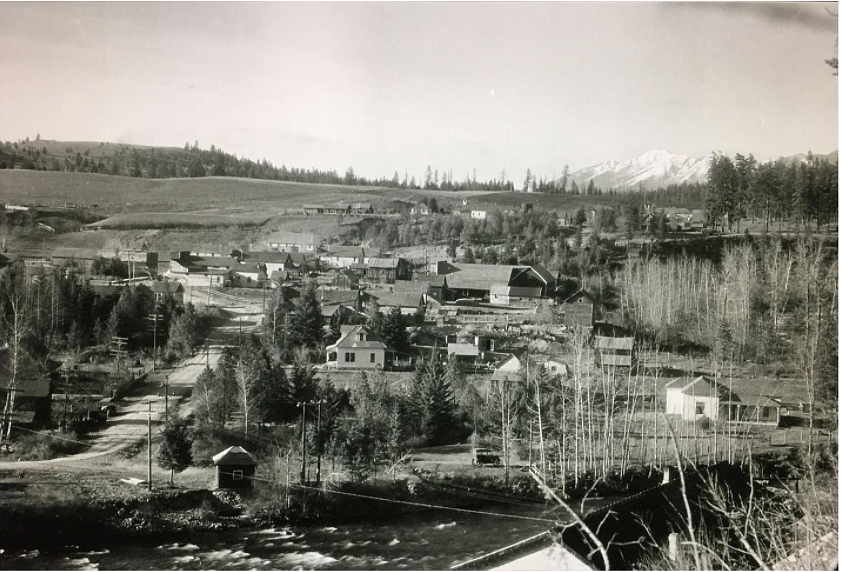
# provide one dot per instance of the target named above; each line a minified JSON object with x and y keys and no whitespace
{"x":75,"y":507}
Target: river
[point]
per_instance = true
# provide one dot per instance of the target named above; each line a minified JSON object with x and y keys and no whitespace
{"x":434,"y":540}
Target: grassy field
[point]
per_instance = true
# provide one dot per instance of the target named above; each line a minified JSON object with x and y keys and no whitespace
{"x":180,"y":220}
{"x":109,"y":194}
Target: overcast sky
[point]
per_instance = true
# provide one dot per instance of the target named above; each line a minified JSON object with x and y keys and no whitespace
{"x":397,"y":86}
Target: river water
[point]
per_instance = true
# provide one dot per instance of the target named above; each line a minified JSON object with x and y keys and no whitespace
{"x":433,"y":540}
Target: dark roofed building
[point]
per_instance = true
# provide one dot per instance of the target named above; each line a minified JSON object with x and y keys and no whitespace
{"x":476,"y":280}
{"x":580,"y":310}
{"x":161,"y":288}
{"x":235,"y":468}
{"x":386,"y":270}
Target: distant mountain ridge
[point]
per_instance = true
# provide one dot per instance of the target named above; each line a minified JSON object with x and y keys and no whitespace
{"x":657,"y":168}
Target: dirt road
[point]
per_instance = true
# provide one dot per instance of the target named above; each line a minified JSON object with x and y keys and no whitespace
{"x":130,"y":423}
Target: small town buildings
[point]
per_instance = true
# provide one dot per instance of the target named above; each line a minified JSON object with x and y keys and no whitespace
{"x":508,"y":369}
{"x":476,"y":280}
{"x":611,"y":353}
{"x":555,"y":367}
{"x":437,"y":285}
{"x":162,"y":288}
{"x":384,"y":270}
{"x":294,"y":242}
{"x":357,"y":348}
{"x":505,"y":295}
{"x":409,"y":303}
{"x":235,"y":468}
{"x":580,"y":311}
{"x":359,"y":209}
{"x":249,"y":275}
{"x":754,"y":409}
{"x":420,"y":209}
{"x":693,"y":398}
{"x":197,"y":270}
{"x":343,"y":256}
{"x":478,"y":213}
{"x":33,"y":392}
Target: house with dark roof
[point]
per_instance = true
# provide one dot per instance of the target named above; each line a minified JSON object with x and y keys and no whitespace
{"x":580,"y":311}
{"x":235,"y":468}
{"x":476,"y":280}
{"x":409,"y":303}
{"x":32,"y":389}
{"x":357,"y":348}
{"x":162,"y":288}
{"x":384,"y":270}
{"x":437,"y":284}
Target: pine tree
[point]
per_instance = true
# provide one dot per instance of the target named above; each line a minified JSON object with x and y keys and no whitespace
{"x":175,"y":452}
{"x":307,"y":327}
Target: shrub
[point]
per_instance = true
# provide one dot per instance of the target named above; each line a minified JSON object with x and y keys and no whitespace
{"x":41,"y":446}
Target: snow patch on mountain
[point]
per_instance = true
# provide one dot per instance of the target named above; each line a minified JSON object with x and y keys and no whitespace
{"x":652,"y":169}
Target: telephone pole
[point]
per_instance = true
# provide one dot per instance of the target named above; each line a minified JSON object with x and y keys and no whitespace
{"x":153,"y":317}
{"x":149,"y":440}
{"x":303,"y":443}
{"x":318,"y":446}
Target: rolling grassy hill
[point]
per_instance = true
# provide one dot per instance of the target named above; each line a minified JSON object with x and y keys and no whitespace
{"x":108,"y":194}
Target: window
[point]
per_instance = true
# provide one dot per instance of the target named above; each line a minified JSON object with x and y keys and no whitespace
{"x":699,"y":409}
{"x":350,"y":357}
{"x":361,"y":336}
{"x":373,"y":357}
{"x":237,"y":475}
{"x":766,"y":412}
{"x":580,"y":300}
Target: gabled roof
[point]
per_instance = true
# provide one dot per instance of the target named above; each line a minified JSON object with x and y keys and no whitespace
{"x":579,"y":294}
{"x":374,"y":262}
{"x":700,"y":386}
{"x":349,"y":340}
{"x":507,"y":369}
{"x":234,"y":456}
{"x":29,"y":381}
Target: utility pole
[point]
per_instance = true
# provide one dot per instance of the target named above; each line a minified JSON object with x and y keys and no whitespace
{"x":153,"y":317}
{"x":303,"y":443}
{"x":149,"y":473}
{"x":318,"y":445}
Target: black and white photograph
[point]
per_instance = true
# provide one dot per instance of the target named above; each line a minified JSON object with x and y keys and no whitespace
{"x":419,"y":285}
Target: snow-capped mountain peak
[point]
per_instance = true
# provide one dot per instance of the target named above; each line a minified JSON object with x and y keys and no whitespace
{"x":652,"y":169}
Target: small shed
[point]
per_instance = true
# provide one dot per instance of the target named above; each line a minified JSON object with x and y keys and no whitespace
{"x":235,"y":468}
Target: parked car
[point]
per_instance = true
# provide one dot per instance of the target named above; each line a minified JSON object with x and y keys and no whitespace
{"x":483,"y":457}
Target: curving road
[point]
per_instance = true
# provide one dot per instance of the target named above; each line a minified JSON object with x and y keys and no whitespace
{"x":130,"y":423}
